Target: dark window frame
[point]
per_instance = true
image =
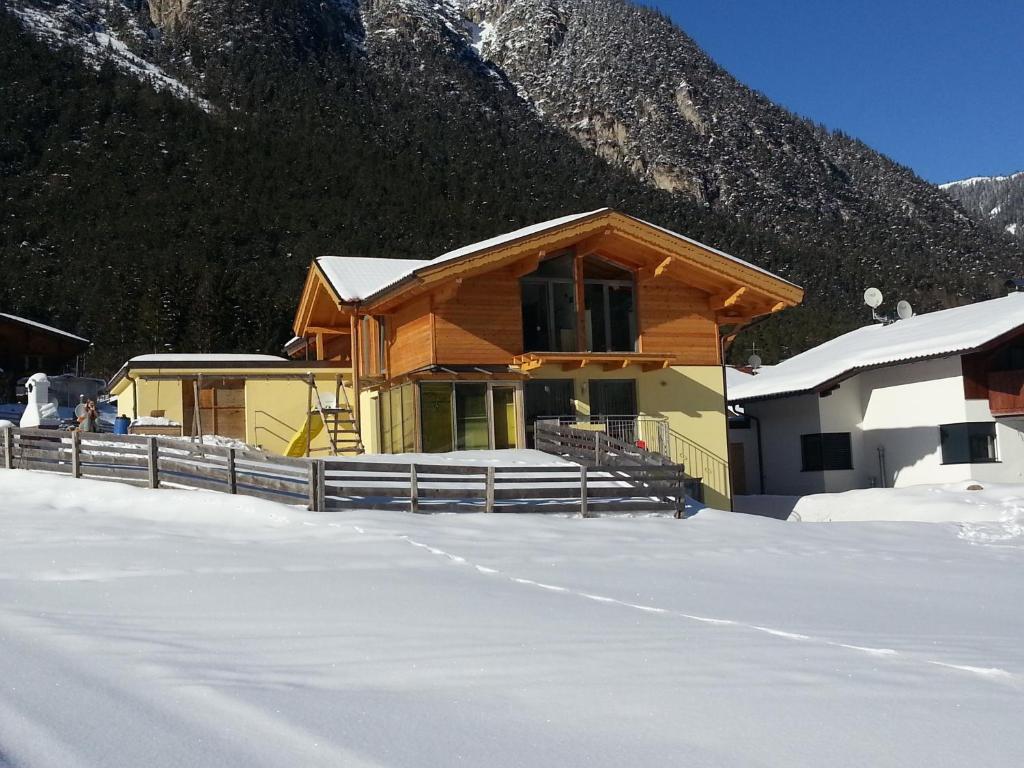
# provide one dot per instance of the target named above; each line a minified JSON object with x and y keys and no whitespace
{"x":969,"y":431}
{"x":817,"y":455}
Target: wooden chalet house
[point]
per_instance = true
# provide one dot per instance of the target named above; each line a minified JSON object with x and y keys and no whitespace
{"x":596,"y":319}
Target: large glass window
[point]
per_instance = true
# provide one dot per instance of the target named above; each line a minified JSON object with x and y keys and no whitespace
{"x":970,"y":443}
{"x":398,"y":419}
{"x":826,"y":451}
{"x":504,"y":409}
{"x":610,"y":310}
{"x":613,"y":397}
{"x":546,"y":398}
{"x":467,"y":416}
{"x":549,"y":307}
{"x":436,"y":409}
{"x":471,"y":432}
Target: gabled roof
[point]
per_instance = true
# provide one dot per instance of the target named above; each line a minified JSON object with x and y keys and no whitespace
{"x":362,"y":279}
{"x":33,"y":325}
{"x":936,"y":334}
{"x":355,"y":278}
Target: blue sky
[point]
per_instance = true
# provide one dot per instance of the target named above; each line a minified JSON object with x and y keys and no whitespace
{"x":936,"y":85}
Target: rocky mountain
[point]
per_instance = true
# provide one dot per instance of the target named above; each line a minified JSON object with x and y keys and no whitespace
{"x":997,"y":199}
{"x":218,"y":145}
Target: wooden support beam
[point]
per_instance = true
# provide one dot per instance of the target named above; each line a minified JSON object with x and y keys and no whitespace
{"x":573,"y":365}
{"x":320,"y":353}
{"x":655,"y":366}
{"x":615,"y":365}
{"x":447,"y":291}
{"x":327,"y":331}
{"x":527,"y":265}
{"x":778,"y":307}
{"x":356,"y":383}
{"x":724,"y":300}
{"x":581,"y":314}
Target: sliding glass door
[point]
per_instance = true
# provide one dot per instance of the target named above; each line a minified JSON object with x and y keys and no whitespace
{"x":471,"y":429}
{"x":468,"y":416}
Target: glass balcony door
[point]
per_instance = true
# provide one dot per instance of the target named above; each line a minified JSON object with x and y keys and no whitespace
{"x":468,"y":416}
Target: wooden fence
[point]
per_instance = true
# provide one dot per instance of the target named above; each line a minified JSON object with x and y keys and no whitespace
{"x":565,"y":488}
{"x":156,"y":462}
{"x":340,"y":484}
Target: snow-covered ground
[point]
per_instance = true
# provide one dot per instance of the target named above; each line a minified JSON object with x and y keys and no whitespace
{"x":174,"y":628}
{"x":1000,"y":504}
{"x":517,"y":457}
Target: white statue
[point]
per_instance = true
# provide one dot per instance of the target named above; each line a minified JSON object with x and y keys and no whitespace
{"x":39,"y":412}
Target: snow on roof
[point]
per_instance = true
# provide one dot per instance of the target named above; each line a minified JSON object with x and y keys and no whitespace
{"x":936,"y":334}
{"x":358,"y":278}
{"x":40,"y":326}
{"x":518,"y":234}
{"x":354,"y":277}
{"x":734,"y":377}
{"x":202,"y":357}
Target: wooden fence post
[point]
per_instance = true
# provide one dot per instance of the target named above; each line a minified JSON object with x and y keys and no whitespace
{"x":232,"y":475}
{"x":583,"y":491}
{"x":9,"y":447}
{"x":489,"y":489}
{"x":413,"y":490}
{"x":76,"y":456}
{"x":314,"y":486}
{"x":153,"y":453}
{"x":321,"y":486}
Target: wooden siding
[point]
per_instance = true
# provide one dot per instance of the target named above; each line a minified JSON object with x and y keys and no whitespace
{"x":674,"y":318}
{"x":1006,"y":393}
{"x":411,"y":345}
{"x":975,"y":373}
{"x":482,"y":323}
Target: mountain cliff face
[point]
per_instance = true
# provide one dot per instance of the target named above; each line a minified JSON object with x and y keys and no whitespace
{"x":997,"y":199}
{"x":405,"y":127}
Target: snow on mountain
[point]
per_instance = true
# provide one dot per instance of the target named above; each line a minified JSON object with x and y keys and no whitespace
{"x":975,"y":180}
{"x":88,"y":26}
{"x":997,"y":199}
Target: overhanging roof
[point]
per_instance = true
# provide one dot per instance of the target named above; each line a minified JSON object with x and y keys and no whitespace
{"x":937,"y":334}
{"x":32,"y":325}
{"x":369,"y":280}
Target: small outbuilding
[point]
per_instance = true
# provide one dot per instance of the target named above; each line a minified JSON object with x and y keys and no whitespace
{"x":293,"y":407}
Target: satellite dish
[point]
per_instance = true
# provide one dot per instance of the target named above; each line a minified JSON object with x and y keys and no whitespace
{"x":754,"y":361}
{"x":904,"y":311}
{"x":873,"y":297}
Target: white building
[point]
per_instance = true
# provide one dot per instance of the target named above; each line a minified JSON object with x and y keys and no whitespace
{"x":937,"y":398}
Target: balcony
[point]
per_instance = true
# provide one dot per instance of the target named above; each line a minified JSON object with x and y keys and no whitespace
{"x":609,"y":361}
{"x":1006,"y":392}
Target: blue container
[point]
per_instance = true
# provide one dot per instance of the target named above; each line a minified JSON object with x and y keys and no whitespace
{"x":121,"y":424}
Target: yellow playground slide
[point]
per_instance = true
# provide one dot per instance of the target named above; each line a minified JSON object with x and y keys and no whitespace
{"x":298,"y":446}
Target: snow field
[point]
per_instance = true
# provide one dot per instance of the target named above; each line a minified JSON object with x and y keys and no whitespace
{"x":190,"y":628}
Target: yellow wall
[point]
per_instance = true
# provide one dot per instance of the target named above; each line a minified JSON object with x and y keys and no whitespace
{"x":161,"y":395}
{"x":275,"y":410}
{"x":369,"y":416}
{"x":691,"y":397}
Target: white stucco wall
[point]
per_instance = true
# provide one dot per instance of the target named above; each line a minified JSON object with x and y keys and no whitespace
{"x":782,"y":423}
{"x":898,"y":409}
